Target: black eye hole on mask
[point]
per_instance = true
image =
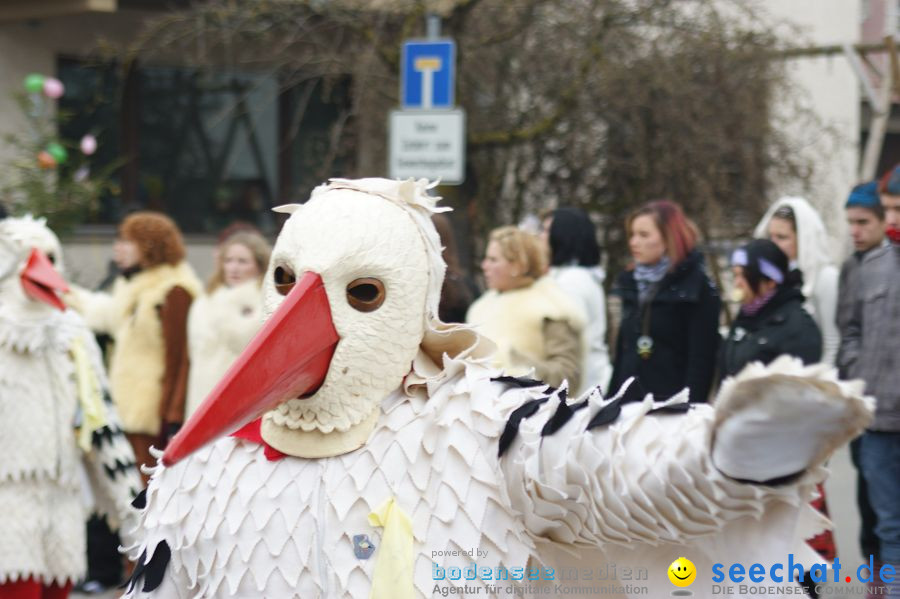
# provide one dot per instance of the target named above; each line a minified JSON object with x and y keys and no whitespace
{"x":284,"y":279}
{"x":366,"y":294}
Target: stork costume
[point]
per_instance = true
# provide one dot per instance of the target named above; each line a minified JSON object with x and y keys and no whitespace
{"x":389,"y":452}
{"x":51,"y":380}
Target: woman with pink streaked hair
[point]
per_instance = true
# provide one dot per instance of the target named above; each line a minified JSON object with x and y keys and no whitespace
{"x":668,"y":336}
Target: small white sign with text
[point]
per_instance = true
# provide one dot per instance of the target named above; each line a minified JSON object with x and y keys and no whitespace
{"x":429,"y":144}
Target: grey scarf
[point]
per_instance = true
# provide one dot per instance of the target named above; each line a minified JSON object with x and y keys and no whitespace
{"x":648,"y":275}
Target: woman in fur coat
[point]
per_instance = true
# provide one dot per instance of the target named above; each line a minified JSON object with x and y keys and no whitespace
{"x":224,"y":319}
{"x":532,"y":321}
{"x":146,"y":315}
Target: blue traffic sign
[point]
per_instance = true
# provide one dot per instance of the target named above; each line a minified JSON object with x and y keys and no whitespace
{"x":428,"y":74}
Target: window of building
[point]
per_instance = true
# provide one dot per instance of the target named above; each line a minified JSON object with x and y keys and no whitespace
{"x":205,"y":147}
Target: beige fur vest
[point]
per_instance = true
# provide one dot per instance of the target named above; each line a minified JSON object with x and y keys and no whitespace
{"x":514,"y":320}
{"x":137,"y":366}
{"x":220,"y":325}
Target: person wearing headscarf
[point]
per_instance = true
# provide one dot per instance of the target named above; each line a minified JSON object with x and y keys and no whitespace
{"x":668,"y":337}
{"x":575,"y":266}
{"x":796,"y":227}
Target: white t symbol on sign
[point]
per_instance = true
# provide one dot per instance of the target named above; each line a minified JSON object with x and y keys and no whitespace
{"x":427,"y":65}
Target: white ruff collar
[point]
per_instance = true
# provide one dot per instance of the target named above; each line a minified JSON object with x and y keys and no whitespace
{"x":54,"y":331}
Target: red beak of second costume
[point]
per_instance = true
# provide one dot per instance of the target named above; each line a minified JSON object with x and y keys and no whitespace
{"x":41,"y":282}
{"x":288,"y":358}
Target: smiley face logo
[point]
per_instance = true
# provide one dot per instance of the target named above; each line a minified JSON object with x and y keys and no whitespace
{"x":682,"y":572}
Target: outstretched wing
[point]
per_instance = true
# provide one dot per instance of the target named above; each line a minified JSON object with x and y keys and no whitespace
{"x":603,"y":473}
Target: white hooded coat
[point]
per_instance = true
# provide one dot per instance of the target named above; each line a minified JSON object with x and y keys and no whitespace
{"x":585,"y":286}
{"x":820,"y":275}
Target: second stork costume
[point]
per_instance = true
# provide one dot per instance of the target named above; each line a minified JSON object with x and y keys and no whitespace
{"x":51,"y":382}
{"x":382,"y":450}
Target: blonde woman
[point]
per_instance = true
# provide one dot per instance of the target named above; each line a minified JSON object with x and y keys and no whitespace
{"x":534,"y":324}
{"x":224,"y":319}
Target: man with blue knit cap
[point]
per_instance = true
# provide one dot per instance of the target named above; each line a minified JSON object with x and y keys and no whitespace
{"x":870,"y":350}
{"x":865,"y":219}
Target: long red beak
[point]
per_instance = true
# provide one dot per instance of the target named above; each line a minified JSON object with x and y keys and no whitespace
{"x":40,"y":280}
{"x":288,"y":358}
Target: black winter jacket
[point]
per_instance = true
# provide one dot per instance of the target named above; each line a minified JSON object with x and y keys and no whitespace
{"x":781,"y":327}
{"x":683,"y":324}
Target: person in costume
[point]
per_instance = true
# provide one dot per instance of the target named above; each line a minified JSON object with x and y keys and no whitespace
{"x":528,"y":316}
{"x":796,"y":227}
{"x":57,"y":421}
{"x":361,"y":448}
{"x":668,"y":335}
{"x":146,"y":314}
{"x":222,"y":320}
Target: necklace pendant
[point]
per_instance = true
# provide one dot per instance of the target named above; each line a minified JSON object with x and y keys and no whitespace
{"x":644,"y":346}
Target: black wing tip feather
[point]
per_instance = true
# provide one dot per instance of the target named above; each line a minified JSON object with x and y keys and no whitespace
{"x":152,"y":572}
{"x":563,"y":414}
{"x":634,"y":392}
{"x":140,"y":500}
{"x":529,"y":408}
{"x":523,"y":382}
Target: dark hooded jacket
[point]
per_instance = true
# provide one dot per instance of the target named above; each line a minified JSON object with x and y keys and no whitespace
{"x":682,"y":320}
{"x":781,"y":327}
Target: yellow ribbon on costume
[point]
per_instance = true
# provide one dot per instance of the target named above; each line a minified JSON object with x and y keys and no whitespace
{"x":393,"y":578}
{"x":93,"y":416}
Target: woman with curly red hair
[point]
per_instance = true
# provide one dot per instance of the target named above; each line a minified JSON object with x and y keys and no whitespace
{"x":146,"y":314}
{"x":668,"y":336}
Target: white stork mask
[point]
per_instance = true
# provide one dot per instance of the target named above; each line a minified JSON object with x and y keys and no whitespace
{"x":357,"y":256}
{"x":30,"y":261}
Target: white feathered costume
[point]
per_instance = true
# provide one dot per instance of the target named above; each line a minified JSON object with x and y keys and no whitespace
{"x":407,"y":455}
{"x":51,"y":379}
